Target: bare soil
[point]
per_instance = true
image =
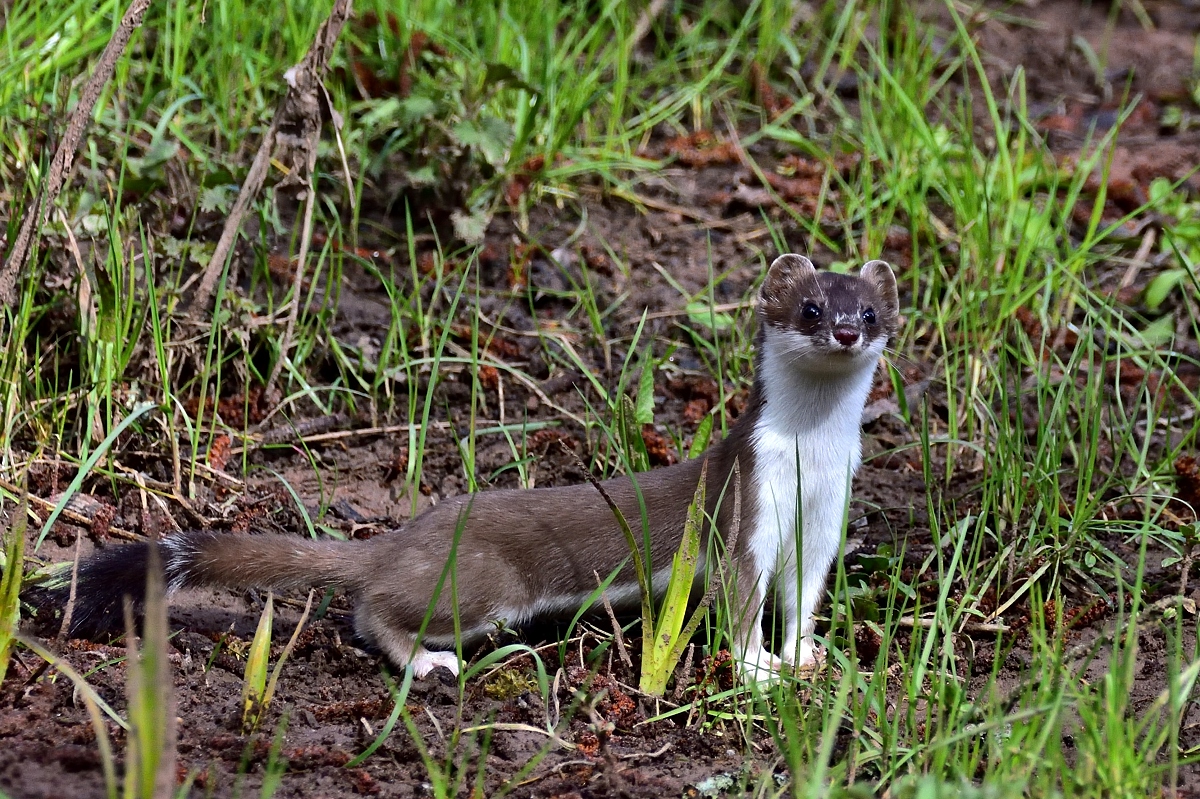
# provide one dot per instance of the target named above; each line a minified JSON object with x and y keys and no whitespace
{"x":333,"y":695}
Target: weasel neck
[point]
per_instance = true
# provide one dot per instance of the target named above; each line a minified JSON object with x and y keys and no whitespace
{"x":807,"y":404}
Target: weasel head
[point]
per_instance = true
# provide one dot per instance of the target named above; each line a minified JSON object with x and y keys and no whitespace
{"x":823,"y":322}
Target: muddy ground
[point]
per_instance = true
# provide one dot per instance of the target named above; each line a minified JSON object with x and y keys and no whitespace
{"x":334,"y":695}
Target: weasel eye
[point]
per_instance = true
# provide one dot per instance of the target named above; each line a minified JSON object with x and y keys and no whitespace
{"x":810,"y":311}
{"x":869,"y":316}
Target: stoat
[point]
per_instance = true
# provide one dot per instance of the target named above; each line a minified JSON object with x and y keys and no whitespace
{"x":521,"y":554}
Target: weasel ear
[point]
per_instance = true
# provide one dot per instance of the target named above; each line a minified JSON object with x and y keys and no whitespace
{"x":879,"y":275}
{"x":787,"y":270}
{"x":790,"y":265}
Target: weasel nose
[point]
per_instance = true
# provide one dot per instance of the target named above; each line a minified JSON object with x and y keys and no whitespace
{"x":846,"y":336}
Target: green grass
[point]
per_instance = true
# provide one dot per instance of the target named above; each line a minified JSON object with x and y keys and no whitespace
{"x":1055,"y":413}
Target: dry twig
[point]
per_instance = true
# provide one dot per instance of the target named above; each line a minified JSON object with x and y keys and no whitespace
{"x":296,"y":127}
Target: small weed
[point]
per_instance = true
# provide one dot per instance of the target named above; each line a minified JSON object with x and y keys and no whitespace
{"x":11,"y":577}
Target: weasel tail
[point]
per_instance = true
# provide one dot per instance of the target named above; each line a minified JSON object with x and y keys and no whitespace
{"x":204,"y":558}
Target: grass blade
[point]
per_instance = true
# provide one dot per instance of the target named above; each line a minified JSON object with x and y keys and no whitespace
{"x":150,"y":759}
{"x":254,"y":684}
{"x":10,"y":584}
{"x":661,"y":653}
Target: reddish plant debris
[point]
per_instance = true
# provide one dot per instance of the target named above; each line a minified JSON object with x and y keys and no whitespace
{"x":249,"y":514}
{"x":700,"y":392}
{"x":218,"y":451}
{"x":45,"y":478}
{"x":83,"y":645}
{"x":702,"y":148}
{"x":596,"y":259}
{"x":491,"y":256}
{"x":309,"y":757}
{"x":882,"y":388}
{"x":102,"y":520}
{"x":736,"y":403}
{"x":689,"y":386}
{"x":1187,"y":481}
{"x":489,"y":377}
{"x":370,"y":708}
{"x":1029,"y":323}
{"x":715,"y":674}
{"x":657,"y":447}
{"x":543,"y":439}
{"x":522,"y":179}
{"x":1082,"y":616}
{"x":797,"y":166}
{"x":371,"y":84}
{"x":614,"y":706}
{"x":794,"y":188}
{"x":363,"y":782}
{"x":618,"y":708}
{"x":366,"y":253}
{"x":251,"y":408}
{"x":587,"y":743}
{"x":427,"y":263}
{"x":867,"y":642}
{"x":496,"y":346}
{"x":770,"y":101}
{"x":696,"y":410}
{"x":1132,"y":377}
{"x":397,"y":467}
{"x":501,"y":347}
{"x":281,"y":267}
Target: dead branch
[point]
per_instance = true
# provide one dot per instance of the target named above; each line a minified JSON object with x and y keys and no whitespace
{"x":295,"y":127}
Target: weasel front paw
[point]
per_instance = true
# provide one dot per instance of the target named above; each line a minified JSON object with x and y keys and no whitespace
{"x":807,"y":657}
{"x":760,"y":667}
{"x":424,"y":661}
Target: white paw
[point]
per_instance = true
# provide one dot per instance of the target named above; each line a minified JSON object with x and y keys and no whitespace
{"x":424,"y":661}
{"x":808,"y":657}
{"x":760,"y":667}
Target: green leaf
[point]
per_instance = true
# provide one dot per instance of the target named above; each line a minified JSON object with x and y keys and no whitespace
{"x":644,"y":412}
{"x":10,"y":584}
{"x":488,"y":135}
{"x":1161,"y":287}
{"x":701,"y":313}
{"x":1160,"y":189}
{"x":423,"y":176}
{"x":630,"y":436}
{"x":254,"y":684}
{"x":413,"y":109}
{"x":158,"y":153}
{"x":150,"y":755}
{"x":216,"y":199}
{"x":1159,"y":332}
{"x":703,"y":434}
{"x":661,"y":653}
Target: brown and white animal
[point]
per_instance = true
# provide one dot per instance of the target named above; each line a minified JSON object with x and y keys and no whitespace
{"x":522,"y":554}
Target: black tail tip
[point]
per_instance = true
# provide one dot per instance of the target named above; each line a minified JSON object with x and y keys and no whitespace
{"x":105,"y":579}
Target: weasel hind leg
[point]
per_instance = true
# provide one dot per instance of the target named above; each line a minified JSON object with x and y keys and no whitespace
{"x":401,"y":647}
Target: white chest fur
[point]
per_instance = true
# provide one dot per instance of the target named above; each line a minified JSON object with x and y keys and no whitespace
{"x":807,"y":446}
